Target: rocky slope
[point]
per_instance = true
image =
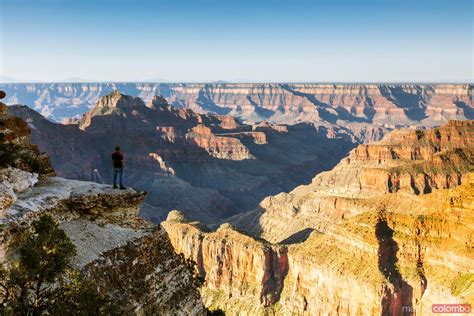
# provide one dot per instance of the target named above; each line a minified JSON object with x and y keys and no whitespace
{"x":131,"y":260}
{"x":365,"y":111}
{"x":354,"y":241}
{"x":222,"y":166}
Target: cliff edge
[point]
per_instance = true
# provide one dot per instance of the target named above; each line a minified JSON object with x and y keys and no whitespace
{"x":131,"y":260}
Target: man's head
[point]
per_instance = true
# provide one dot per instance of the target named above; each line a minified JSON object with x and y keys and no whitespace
{"x":117,"y":148}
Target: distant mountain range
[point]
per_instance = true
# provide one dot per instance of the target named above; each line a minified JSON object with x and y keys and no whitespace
{"x":365,"y":111}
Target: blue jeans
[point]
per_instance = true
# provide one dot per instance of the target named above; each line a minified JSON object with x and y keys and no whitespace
{"x":118,"y":172}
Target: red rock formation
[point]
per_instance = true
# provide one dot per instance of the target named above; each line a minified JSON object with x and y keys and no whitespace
{"x":266,"y":126}
{"x":381,"y":229}
{"x":410,"y":162}
{"x":397,"y":252}
{"x":168,"y":133}
{"x":113,"y":102}
{"x":228,"y":122}
{"x":218,"y":146}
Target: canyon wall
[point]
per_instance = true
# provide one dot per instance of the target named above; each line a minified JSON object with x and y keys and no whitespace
{"x":351,"y":242}
{"x":365,"y":111}
{"x":405,"y":162}
{"x":399,"y":261}
{"x":242,"y":274}
{"x":220,"y":165}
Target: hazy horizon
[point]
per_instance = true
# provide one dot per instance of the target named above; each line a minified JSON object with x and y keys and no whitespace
{"x":404,"y":41}
{"x":237,"y":82}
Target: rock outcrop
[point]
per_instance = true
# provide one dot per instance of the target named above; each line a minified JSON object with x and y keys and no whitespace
{"x":222,"y":166}
{"x":242,"y":274}
{"x":20,"y":161}
{"x":15,"y":148}
{"x":218,"y":146}
{"x":132,"y":261}
{"x":364,"y":111}
{"x":344,"y":246}
{"x":115,"y":102}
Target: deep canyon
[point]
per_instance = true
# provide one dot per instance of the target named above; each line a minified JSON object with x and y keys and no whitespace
{"x":209,"y":166}
{"x":363,"y":111}
{"x":306,"y":199}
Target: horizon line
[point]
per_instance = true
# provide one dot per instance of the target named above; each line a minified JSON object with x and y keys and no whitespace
{"x":223,"y":82}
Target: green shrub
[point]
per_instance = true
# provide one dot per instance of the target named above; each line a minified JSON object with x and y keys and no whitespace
{"x":43,"y":281}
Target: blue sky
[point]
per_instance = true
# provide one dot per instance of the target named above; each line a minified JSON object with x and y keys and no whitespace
{"x":255,"y":40}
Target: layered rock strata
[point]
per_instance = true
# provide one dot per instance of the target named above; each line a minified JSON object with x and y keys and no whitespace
{"x":132,"y":261}
{"x":408,"y":162}
{"x":365,"y":111}
{"x":344,"y":246}
{"x":400,"y":257}
{"x":241,"y":273}
{"x":221,"y":165}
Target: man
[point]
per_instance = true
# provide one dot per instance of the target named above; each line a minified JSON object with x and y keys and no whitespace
{"x":119,"y":164}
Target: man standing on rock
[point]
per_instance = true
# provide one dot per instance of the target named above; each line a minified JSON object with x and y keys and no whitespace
{"x":119,"y":164}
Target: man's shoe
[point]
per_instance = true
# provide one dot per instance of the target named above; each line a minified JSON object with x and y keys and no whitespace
{"x":123,"y":188}
{"x":115,"y":187}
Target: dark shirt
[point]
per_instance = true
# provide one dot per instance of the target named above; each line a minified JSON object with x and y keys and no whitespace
{"x":117,"y":158}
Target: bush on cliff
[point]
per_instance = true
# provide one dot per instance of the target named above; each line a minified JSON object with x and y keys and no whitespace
{"x":42,"y":280}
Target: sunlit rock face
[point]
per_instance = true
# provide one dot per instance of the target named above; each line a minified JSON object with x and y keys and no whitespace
{"x":351,"y":242}
{"x":132,"y":261}
{"x":242,"y":275}
{"x":12,"y":182}
{"x":365,"y":111}
{"x":219,"y":164}
{"x":216,"y":146}
{"x":405,"y":162}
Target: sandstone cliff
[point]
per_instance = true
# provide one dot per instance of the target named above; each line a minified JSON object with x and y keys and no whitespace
{"x":131,"y":260}
{"x":408,"y":162}
{"x":218,"y":146}
{"x":242,"y":274}
{"x":405,"y":254}
{"x":342,"y":246}
{"x":15,"y":148}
